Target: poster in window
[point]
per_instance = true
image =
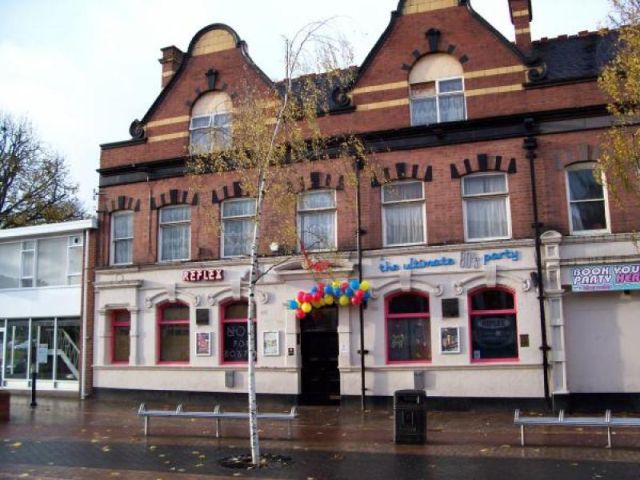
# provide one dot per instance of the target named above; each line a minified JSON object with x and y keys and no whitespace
{"x":271,"y":344}
{"x":450,"y":340}
{"x":203,"y":344}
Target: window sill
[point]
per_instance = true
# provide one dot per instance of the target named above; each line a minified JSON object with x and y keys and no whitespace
{"x":487,"y":239}
{"x":395,"y":245}
{"x":495,"y":360}
{"x":409,"y":362}
{"x":589,"y":233}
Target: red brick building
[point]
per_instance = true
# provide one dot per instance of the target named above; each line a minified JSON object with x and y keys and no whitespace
{"x":465,"y":124}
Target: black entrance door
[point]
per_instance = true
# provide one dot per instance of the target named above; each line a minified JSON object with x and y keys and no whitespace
{"x":319,"y":344}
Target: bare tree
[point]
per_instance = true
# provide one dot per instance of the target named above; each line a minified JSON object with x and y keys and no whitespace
{"x":34,"y":182}
{"x":276,"y":129}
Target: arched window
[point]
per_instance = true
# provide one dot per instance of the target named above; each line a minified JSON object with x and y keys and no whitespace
{"x":408,"y":328}
{"x":486,"y":207}
{"x":238,"y":221}
{"x":494,"y":330}
{"x":233,"y":332}
{"x":210,"y":126}
{"x":587,"y":200}
{"x":173,"y":333}
{"x":437,"y":90}
{"x":403,"y":213}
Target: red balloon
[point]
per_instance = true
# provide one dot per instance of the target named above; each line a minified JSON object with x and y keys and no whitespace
{"x":300,"y":296}
{"x":300,"y":314}
{"x":317,"y":296}
{"x":355,"y":301}
{"x":344,"y":286}
{"x":308,"y":298}
{"x":321,"y":287}
{"x":359,"y":294}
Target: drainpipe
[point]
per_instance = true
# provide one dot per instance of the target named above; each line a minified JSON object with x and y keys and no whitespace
{"x":530,"y":145}
{"x":359,"y":165}
{"x":85,"y":287}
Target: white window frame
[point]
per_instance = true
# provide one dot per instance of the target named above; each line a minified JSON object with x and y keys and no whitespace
{"x":34,"y":262}
{"x":333,"y":209}
{"x":181,"y":222}
{"x":114,"y":240}
{"x":231,"y":219}
{"x":605,"y":198}
{"x":211,"y":128}
{"x":400,"y":202}
{"x":504,"y":195}
{"x":437,"y":97}
{"x":70,"y":247}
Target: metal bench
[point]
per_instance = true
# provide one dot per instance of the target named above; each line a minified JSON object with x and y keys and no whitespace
{"x":606,"y":421}
{"x":216,"y":414}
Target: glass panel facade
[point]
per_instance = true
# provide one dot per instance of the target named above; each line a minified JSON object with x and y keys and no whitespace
{"x":68,"y":342}
{"x":17,"y":351}
{"x":9,"y":265}
{"x":51,"y":270}
{"x":43,"y":338}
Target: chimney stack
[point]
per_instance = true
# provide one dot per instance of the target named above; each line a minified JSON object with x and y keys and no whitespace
{"x":521,"y":16}
{"x":170,"y":61}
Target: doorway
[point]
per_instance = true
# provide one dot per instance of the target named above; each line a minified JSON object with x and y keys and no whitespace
{"x":319,"y":344}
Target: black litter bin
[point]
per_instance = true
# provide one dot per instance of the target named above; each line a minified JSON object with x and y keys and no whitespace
{"x":410,"y":416}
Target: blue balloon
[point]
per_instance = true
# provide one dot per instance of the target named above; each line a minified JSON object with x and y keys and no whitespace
{"x":366,"y":296}
{"x":293,"y":305}
{"x":337,"y":292}
{"x":354,"y":284}
{"x":313,"y":290}
{"x":328,"y":290}
{"x":349,"y":292}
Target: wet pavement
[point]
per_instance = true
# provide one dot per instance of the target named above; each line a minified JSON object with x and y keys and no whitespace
{"x":98,"y":439}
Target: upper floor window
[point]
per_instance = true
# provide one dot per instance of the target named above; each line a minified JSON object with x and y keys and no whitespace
{"x":317,"y":220}
{"x":175,"y":233}
{"x":437,"y":90}
{"x":210,"y":126}
{"x":408,"y":328}
{"x":45,"y":262}
{"x":486,"y":207}
{"x":122,"y":238}
{"x":587,"y":201}
{"x":403,"y":213}
{"x":494,"y":330}
{"x":237,"y":226}
{"x":173,"y":333}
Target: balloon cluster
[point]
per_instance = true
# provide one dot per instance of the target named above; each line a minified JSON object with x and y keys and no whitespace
{"x":345,"y":293}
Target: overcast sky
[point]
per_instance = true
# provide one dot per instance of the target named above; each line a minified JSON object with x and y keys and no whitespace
{"x":82,"y":70}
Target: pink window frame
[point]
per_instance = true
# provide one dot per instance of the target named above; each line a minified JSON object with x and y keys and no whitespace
{"x":115,"y":325}
{"x":224,"y":320}
{"x":472,"y":313}
{"x":391,"y":316}
{"x":160,"y":323}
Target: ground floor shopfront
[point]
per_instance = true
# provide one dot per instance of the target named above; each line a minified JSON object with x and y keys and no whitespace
{"x":458,"y":321}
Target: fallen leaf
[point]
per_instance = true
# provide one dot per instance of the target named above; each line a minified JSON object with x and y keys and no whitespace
{"x":16,"y":445}
{"x":106,"y":448}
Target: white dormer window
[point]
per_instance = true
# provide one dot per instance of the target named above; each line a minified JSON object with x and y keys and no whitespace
{"x":210,"y":126}
{"x":437,"y":90}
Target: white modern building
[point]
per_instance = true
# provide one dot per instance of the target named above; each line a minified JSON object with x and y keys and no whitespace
{"x":42,"y":273}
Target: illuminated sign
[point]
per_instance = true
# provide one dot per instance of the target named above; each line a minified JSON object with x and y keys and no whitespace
{"x":602,"y":278}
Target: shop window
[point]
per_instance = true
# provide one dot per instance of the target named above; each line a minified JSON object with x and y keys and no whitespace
{"x":210,"y":126}
{"x":173,"y":333}
{"x":587,"y":200}
{"x":403,"y":213}
{"x":120,"y":340}
{"x":486,"y":207}
{"x":437,"y":90}
{"x":408,"y":328}
{"x":317,"y":220}
{"x":237,"y":226}
{"x":233,"y":328}
{"x":175,"y":233}
{"x":494,"y":330}
{"x":122,"y":238}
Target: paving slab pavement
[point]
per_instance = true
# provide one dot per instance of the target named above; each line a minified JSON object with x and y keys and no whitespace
{"x":95,"y":439}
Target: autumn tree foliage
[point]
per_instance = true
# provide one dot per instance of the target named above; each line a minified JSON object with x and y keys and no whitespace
{"x":35,"y":186}
{"x":620,"y":81}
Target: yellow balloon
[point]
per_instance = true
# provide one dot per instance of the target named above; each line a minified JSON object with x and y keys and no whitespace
{"x":335,"y":284}
{"x":328,"y":300}
{"x":306,"y":307}
{"x":364,"y":286}
{"x":317,"y":304}
{"x":344,"y":300}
